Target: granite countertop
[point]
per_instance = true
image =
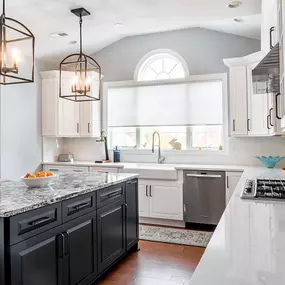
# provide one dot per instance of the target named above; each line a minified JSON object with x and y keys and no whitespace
{"x":16,"y":197}
{"x":248,"y":245}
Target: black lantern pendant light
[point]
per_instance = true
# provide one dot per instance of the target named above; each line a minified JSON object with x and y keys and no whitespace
{"x":80,"y":74}
{"x":17,"y":51}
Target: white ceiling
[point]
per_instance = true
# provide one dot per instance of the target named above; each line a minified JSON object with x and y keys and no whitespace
{"x":137,"y":17}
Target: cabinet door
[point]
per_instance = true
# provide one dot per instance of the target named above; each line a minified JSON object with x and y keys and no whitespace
{"x":143,"y":200}
{"x":269,"y":20}
{"x":166,"y":202}
{"x":68,"y":114}
{"x":50,"y":99}
{"x":233,"y":179}
{"x":132,"y":213}
{"x":90,"y":119}
{"x":258,"y":110}
{"x":111,"y":229}
{"x":80,"y":250}
{"x":238,"y":101}
{"x":38,"y":260}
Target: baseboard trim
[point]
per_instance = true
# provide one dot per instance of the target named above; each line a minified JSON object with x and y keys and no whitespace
{"x":162,"y":222}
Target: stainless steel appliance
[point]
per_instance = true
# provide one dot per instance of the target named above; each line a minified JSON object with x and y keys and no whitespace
{"x":204,"y":196}
{"x":264,"y":189}
{"x":65,"y":158}
{"x":266,"y":75}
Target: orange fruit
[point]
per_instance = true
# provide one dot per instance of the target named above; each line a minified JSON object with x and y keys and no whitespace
{"x":27,"y":175}
{"x":49,"y":173}
{"x":32,"y":176}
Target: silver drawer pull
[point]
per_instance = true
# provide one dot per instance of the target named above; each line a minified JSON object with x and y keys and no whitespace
{"x":53,"y":169}
{"x":77,"y":170}
{"x":204,"y":175}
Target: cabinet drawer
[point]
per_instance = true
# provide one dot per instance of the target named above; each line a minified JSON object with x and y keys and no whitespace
{"x":78,"y":206}
{"x":26,"y":225}
{"x":110,"y":195}
{"x":65,"y":168}
{"x":103,"y":169}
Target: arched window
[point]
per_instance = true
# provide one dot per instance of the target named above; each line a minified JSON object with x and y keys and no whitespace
{"x":161,"y":65}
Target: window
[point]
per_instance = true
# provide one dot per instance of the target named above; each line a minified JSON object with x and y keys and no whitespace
{"x":188,"y":113}
{"x":161,"y":66}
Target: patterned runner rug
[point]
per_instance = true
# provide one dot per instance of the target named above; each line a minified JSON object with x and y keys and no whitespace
{"x":177,"y":236}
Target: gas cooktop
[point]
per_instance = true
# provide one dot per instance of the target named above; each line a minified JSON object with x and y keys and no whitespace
{"x":267,"y":189}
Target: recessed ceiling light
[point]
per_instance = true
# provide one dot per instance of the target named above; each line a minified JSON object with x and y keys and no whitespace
{"x":118,"y":25}
{"x":72,"y":42}
{"x":239,"y":20}
{"x":235,"y":4}
{"x":56,"y":35}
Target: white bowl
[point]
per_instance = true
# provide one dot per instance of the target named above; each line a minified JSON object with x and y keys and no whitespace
{"x":38,"y":181}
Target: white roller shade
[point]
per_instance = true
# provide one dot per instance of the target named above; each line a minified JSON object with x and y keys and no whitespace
{"x":195,"y":103}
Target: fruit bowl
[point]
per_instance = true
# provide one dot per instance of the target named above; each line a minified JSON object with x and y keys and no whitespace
{"x":38,"y":181}
{"x":270,"y":161}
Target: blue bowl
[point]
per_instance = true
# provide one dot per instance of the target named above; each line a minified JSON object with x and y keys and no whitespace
{"x":270,"y":161}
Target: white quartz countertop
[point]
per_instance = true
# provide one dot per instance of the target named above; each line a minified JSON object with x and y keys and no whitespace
{"x":86,"y":163}
{"x":248,"y":246}
{"x":130,"y":165}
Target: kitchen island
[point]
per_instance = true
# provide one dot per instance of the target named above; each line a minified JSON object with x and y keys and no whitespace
{"x":70,"y":232}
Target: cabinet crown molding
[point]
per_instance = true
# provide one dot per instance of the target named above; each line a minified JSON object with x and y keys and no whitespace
{"x":245,"y":60}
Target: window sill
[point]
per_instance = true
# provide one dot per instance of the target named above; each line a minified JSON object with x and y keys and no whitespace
{"x":174,"y":152}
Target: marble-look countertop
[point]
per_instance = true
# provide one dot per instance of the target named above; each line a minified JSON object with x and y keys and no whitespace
{"x":16,"y":197}
{"x":248,"y":245}
{"x":87,"y":163}
{"x":132,"y":165}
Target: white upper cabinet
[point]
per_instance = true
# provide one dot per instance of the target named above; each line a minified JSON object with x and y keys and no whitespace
{"x":258,"y":109}
{"x":269,"y":24}
{"x":281,"y":30}
{"x":65,"y":118}
{"x":238,"y":101}
{"x":90,"y":121}
{"x":49,"y":102}
{"x":68,"y":114}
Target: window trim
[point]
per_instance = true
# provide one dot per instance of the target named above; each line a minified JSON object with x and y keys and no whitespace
{"x":152,"y":53}
{"x":192,"y":78}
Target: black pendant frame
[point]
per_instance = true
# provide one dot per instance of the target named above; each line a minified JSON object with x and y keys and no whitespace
{"x":6,"y":73}
{"x":83,"y":64}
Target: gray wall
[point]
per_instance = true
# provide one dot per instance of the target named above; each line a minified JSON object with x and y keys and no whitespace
{"x":21,"y":143}
{"x":202,"y":49}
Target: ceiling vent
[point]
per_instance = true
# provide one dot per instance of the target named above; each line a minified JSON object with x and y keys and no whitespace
{"x":56,"y":35}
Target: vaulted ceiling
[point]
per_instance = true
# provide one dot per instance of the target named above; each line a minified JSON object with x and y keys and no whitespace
{"x":135,"y":16}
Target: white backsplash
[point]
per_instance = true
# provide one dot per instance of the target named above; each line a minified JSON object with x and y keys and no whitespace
{"x":52,"y":147}
{"x":86,"y":149}
{"x":241,"y":151}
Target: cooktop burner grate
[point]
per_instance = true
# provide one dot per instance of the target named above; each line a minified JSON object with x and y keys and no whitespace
{"x":264,"y":189}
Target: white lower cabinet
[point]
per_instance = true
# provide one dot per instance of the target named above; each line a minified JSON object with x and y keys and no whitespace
{"x":62,"y":168}
{"x":160,"y":199}
{"x":144,"y":203}
{"x":232,"y":180}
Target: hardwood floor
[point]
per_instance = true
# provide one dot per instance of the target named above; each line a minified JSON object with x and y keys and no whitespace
{"x":156,"y":264}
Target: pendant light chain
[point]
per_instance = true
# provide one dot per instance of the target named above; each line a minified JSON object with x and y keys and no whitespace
{"x":80,"y":24}
{"x":4,"y":7}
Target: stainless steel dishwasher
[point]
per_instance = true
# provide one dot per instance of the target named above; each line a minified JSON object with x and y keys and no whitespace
{"x":204,"y":196}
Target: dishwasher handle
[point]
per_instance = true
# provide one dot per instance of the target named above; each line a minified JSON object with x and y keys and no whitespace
{"x":204,"y":175}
